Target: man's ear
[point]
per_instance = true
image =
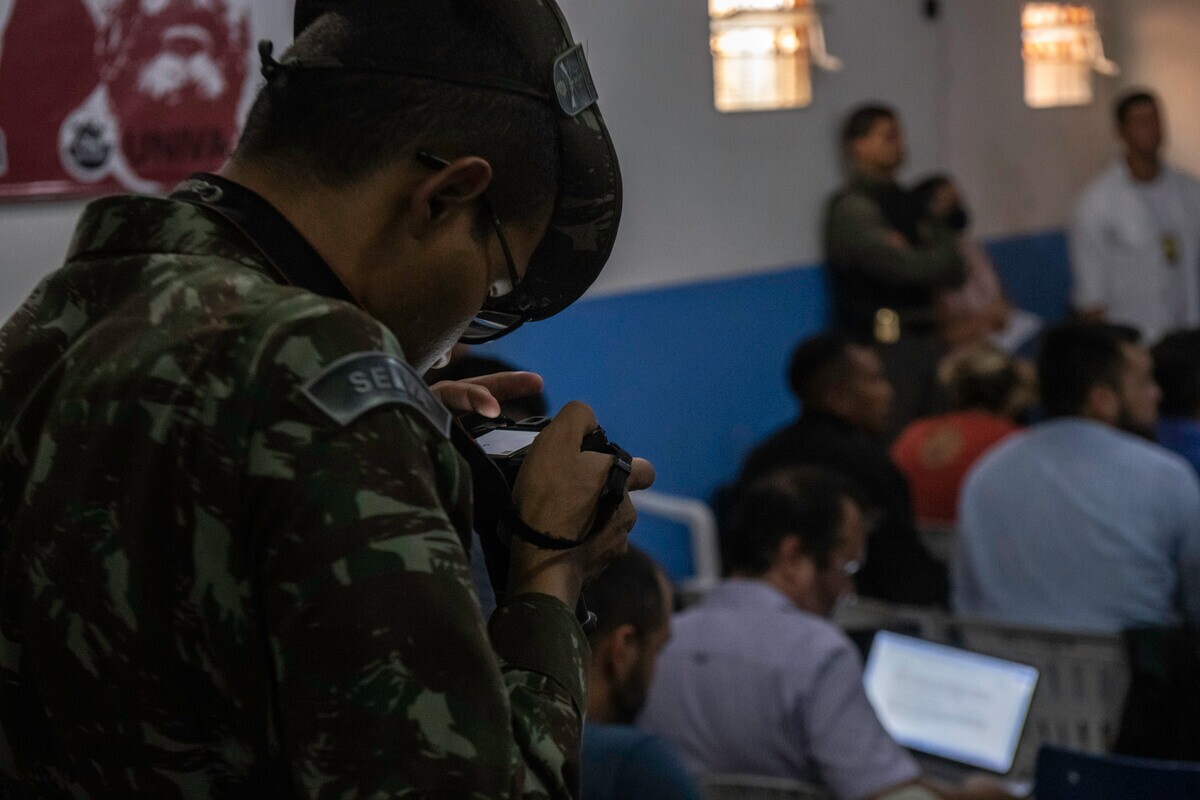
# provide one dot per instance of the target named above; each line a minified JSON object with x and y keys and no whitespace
{"x":837,"y":401}
{"x":795,"y":561}
{"x":451,"y":190}
{"x":1102,"y":404}
{"x":624,"y":648}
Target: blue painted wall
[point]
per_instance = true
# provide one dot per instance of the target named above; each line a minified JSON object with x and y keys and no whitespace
{"x":692,"y":376}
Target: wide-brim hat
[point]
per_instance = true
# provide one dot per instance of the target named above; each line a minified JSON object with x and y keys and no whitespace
{"x":587,"y":211}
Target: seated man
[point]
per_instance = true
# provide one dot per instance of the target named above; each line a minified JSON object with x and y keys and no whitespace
{"x":846,"y":399}
{"x":1081,"y":523}
{"x":1177,"y":370}
{"x":756,"y":680}
{"x":988,"y":393}
{"x":632,"y":603}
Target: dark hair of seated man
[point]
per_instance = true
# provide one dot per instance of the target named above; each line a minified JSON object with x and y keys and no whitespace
{"x":1075,"y":357}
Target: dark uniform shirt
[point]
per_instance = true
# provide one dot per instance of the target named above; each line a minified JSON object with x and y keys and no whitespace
{"x":869,"y":271}
{"x":212,"y":587}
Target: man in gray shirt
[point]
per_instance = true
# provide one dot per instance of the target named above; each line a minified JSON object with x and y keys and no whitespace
{"x":756,"y":680}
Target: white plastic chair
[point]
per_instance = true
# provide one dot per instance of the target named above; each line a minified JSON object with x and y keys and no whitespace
{"x":858,"y":613}
{"x":1083,"y":679}
{"x":701,"y":525}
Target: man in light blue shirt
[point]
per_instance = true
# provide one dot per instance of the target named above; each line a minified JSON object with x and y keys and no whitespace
{"x":756,"y":680}
{"x":1081,"y":523}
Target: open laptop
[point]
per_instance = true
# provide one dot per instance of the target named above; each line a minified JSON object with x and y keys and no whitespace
{"x":964,"y":708}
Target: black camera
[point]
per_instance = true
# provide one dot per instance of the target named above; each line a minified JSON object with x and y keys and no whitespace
{"x":507,"y":442}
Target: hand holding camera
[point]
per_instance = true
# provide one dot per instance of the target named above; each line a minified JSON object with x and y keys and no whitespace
{"x":558,"y":490}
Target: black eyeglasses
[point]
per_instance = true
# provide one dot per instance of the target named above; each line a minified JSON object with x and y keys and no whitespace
{"x":487,"y":324}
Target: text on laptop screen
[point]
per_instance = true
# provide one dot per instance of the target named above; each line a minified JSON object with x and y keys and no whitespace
{"x":949,"y":702}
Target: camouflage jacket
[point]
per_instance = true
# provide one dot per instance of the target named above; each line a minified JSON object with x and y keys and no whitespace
{"x":211,"y":588}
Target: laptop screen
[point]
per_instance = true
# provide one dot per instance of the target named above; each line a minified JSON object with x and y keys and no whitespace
{"x":948,"y":702}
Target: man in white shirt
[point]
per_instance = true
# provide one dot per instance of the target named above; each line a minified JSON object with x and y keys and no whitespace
{"x":1135,"y":237}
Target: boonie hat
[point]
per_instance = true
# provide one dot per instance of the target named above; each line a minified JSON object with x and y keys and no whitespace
{"x":588,"y":208}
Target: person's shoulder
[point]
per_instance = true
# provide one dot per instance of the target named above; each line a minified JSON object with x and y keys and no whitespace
{"x":642,"y":764}
{"x":1151,"y":456}
{"x":1013,"y":449}
{"x":913,"y":435}
{"x":774,"y":451}
{"x":1182,"y":176}
{"x":1100,"y":189}
{"x":619,"y":746}
{"x":851,"y":200}
{"x":333,"y":357}
{"x":814,"y":639}
{"x":309,"y":331}
{"x":986,"y":427}
{"x":616,"y":738}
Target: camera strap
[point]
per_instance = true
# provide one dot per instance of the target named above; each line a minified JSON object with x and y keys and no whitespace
{"x":287,"y":252}
{"x":607,"y":504}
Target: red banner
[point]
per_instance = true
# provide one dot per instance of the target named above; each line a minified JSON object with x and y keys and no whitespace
{"x":99,"y":96}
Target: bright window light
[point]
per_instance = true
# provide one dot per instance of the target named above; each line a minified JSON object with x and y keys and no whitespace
{"x":763,"y":52}
{"x":1061,"y":46}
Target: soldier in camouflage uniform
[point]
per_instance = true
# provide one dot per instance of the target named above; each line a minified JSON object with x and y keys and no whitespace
{"x":232,"y":522}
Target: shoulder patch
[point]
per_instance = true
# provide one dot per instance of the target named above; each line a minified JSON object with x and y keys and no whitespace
{"x":354,"y":384}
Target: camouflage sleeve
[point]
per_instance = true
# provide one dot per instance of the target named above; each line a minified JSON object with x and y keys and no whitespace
{"x":386,"y":682}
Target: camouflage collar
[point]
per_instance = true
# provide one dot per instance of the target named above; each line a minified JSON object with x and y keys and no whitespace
{"x":294,"y":260}
{"x":206,"y":216}
{"x":136,"y":225}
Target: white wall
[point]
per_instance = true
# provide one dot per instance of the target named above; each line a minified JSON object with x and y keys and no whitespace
{"x":33,"y":241}
{"x":1021,"y":168}
{"x":711,"y":195}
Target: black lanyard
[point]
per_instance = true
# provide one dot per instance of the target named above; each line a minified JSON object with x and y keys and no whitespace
{"x":288,"y":253}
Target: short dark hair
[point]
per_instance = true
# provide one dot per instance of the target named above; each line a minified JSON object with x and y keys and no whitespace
{"x":802,"y":501}
{"x":1076,"y":356}
{"x":817,"y":363}
{"x":626,"y":593}
{"x":861,"y":121}
{"x":984,"y":377}
{"x":1127,"y":101}
{"x":1177,"y":371}
{"x":339,"y":126}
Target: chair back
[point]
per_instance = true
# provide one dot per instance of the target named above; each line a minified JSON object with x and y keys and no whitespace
{"x":1070,"y":775}
{"x":758,"y":787}
{"x":1083,"y":679}
{"x":703,"y":548}
{"x":869,"y":614}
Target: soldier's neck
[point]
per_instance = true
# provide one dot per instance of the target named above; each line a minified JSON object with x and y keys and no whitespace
{"x":331,"y":223}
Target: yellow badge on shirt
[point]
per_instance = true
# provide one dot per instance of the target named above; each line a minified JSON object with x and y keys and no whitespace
{"x":1170,"y":248}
